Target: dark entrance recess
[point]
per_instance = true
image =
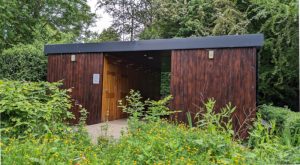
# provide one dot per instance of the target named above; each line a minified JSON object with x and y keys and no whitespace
{"x":123,"y":71}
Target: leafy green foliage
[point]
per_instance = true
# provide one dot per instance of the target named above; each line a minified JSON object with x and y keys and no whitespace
{"x":21,"y":20}
{"x":195,"y":18}
{"x":32,"y":108}
{"x":70,"y":147}
{"x":287,"y":123}
{"x":23,"y":62}
{"x":34,"y":127}
{"x":276,"y":19}
{"x":150,"y":110}
{"x":264,"y":143}
{"x":262,"y":133}
{"x":129,"y":17}
{"x":208,"y":143}
{"x":165,"y":83}
{"x":134,"y":105}
{"x":28,"y":61}
{"x":157,"y":109}
{"x":154,"y":142}
{"x":106,"y":35}
{"x":215,"y":122}
{"x":229,"y":18}
{"x":162,"y":142}
{"x":279,"y":61}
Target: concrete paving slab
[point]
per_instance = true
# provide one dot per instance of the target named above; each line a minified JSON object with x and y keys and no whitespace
{"x":113,"y":128}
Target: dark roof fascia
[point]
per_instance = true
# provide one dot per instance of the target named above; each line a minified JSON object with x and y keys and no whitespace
{"x":210,"y":42}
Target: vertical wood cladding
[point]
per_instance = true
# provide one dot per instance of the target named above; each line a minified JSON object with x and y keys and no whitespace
{"x":229,"y":77}
{"x":79,"y":76}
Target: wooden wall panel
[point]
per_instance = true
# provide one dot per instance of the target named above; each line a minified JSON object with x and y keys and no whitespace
{"x":79,"y":76}
{"x":229,"y":77}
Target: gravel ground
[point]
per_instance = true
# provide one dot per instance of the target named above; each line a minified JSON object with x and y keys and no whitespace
{"x":113,"y":128}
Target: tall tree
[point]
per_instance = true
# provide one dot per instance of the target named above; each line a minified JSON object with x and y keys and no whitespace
{"x":21,"y":20}
{"x":279,"y":62}
{"x":108,"y":34}
{"x":182,"y":18}
{"x":129,"y":16}
{"x":229,"y":18}
{"x":276,"y":19}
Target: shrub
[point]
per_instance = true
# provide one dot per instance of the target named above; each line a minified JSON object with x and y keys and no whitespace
{"x":157,"y":109}
{"x":23,"y":62}
{"x":210,"y":142}
{"x":133,"y":105}
{"x":267,"y":145}
{"x":149,"y":109}
{"x":162,"y":142}
{"x":220,"y":122}
{"x":155,"y":142}
{"x":287,"y":123}
{"x":158,"y":142}
{"x":34,"y":126}
{"x":32,"y":107}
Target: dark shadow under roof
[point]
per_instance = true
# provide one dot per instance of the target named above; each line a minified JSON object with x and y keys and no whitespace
{"x":226,"y":41}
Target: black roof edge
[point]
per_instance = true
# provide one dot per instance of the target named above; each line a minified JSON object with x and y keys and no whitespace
{"x":209,"y":42}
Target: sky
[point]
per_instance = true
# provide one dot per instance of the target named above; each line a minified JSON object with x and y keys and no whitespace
{"x":103,"y":21}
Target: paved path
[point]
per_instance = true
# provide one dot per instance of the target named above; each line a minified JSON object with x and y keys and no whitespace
{"x":114,"y":129}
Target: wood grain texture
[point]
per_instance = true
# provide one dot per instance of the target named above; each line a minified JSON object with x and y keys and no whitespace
{"x":118,"y":78}
{"x":229,"y":77}
{"x":79,"y":76}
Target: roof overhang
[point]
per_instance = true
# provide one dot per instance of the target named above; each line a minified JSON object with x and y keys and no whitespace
{"x":209,"y":42}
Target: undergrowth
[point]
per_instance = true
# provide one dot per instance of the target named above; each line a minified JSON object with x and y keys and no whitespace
{"x":151,"y":139}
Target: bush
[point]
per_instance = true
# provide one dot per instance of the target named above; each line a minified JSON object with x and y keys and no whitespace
{"x":34,"y":127}
{"x":215,"y":123}
{"x":158,"y":142}
{"x":149,"y":142}
{"x":287,"y":123}
{"x":32,"y":107}
{"x":150,"y":110}
{"x":211,"y":141}
{"x":269,"y":146}
{"x":162,"y":142}
{"x":23,"y":62}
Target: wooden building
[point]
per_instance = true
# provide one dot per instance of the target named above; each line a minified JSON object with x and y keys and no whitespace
{"x":222,"y":67}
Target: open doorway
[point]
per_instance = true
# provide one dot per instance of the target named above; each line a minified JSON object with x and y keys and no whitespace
{"x":145,"y":71}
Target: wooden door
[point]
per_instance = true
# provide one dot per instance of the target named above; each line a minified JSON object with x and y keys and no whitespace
{"x":115,"y":87}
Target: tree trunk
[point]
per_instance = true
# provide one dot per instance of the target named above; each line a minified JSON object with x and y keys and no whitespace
{"x":132,"y":25}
